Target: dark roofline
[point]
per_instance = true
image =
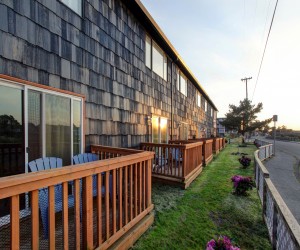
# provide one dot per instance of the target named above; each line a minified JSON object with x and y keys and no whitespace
{"x":142,"y":14}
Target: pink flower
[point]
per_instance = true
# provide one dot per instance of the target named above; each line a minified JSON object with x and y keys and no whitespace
{"x":234,"y":248}
{"x":223,"y":242}
{"x":211,"y":245}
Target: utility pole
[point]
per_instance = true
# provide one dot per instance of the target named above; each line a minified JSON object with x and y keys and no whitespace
{"x":246,"y":80}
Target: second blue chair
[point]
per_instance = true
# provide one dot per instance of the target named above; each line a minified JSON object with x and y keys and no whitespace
{"x":89,"y":157}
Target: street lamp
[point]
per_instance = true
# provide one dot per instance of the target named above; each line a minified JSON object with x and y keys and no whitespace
{"x":275,"y":119}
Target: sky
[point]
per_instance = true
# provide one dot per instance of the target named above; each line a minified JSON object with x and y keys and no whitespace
{"x":222,"y":41}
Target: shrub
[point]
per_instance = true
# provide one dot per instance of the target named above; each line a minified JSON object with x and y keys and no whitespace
{"x":245,"y":161}
{"x":242,"y":184}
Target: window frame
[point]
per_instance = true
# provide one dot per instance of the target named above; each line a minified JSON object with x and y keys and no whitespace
{"x":160,"y":128}
{"x":66,"y":3}
{"x":149,"y":57}
{"x":27,"y":86}
{"x":199,"y":100}
{"x":180,"y":76}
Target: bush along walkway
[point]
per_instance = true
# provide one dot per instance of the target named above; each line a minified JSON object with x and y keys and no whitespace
{"x":208,"y":209}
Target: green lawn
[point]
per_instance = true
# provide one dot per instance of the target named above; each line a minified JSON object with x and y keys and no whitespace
{"x":187,"y":219}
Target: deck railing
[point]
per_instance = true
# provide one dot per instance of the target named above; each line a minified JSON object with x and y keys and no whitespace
{"x":222,"y":143}
{"x":284,"y":230}
{"x":175,"y":162}
{"x":93,"y":222}
{"x":207,"y":149}
{"x":105,"y":152}
{"x":217,"y":145}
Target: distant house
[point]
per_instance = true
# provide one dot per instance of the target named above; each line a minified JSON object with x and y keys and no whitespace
{"x":221,"y":130}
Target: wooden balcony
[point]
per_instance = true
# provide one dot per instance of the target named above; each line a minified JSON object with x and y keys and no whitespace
{"x":112,"y":218}
{"x":207,"y":149}
{"x":177,"y":164}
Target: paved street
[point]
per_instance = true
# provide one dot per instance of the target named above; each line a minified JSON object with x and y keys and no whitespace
{"x":283,"y":168}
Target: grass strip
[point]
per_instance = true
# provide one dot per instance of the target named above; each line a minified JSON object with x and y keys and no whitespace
{"x":188,"y":219}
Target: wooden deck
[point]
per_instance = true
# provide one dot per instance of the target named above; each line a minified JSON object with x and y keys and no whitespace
{"x":94,"y":222}
{"x":177,"y":164}
{"x":107,"y":232}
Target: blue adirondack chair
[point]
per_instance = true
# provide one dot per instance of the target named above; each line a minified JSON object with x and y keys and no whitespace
{"x":44,"y":164}
{"x":89,"y":157}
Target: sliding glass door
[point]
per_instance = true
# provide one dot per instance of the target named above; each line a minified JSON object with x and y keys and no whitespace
{"x":159,"y":129}
{"x":12,"y":158}
{"x":37,"y":123}
{"x":12,"y":154}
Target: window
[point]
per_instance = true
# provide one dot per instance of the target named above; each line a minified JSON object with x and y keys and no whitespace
{"x":75,"y":5}
{"x":155,"y":58}
{"x":46,"y":123}
{"x":181,"y":83}
{"x":148,"y":52}
{"x":205,"y":106}
{"x":198,"y":100}
{"x":159,"y":129}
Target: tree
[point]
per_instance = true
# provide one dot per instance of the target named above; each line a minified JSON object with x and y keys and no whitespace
{"x":244,"y":117}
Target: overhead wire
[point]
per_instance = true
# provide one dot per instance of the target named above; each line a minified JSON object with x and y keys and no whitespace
{"x":262,"y":59}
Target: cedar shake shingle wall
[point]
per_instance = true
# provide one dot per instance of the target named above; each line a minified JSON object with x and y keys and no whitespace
{"x":100,"y":55}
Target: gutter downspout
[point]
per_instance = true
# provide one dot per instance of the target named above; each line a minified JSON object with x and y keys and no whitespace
{"x":172,"y":118}
{"x":172,"y":106}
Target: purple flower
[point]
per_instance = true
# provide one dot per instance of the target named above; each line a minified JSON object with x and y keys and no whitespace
{"x":223,"y":242}
{"x":211,"y":245}
{"x":241,"y":184}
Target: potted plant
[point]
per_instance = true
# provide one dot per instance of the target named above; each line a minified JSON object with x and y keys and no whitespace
{"x":245,"y":161}
{"x":242,"y":184}
{"x":222,"y":243}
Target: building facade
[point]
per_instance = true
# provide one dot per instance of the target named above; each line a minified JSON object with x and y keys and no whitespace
{"x":82,"y":72}
{"x":220,"y":128}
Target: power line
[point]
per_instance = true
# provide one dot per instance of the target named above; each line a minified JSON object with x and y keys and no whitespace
{"x":264,"y":50}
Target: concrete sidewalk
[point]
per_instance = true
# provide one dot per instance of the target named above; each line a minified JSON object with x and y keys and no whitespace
{"x":282,"y":173}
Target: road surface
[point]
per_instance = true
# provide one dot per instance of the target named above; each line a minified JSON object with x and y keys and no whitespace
{"x":284,"y":173}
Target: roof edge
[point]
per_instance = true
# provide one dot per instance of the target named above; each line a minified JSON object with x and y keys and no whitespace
{"x":153,"y":28}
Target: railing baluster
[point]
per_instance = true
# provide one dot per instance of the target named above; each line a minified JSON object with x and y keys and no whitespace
{"x":65,"y":216}
{"x":131,"y":184}
{"x":140,"y":186}
{"x":114,"y":205}
{"x":144,"y":184}
{"x":149,"y":183}
{"x":35,"y":220}
{"x":15,"y":222}
{"x":99,"y":208}
{"x":107,"y":210}
{"x":126,"y":193}
{"x":51,"y":217}
{"x":77,"y":208}
{"x":120,"y":197}
{"x":87,"y":214}
{"x":135,"y":190}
